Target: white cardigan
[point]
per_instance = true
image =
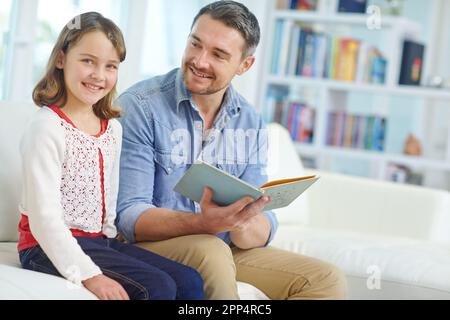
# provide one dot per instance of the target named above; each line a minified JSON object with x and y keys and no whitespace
{"x":62,"y":188}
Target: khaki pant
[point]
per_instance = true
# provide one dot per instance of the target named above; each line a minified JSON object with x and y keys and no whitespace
{"x":279,"y":274}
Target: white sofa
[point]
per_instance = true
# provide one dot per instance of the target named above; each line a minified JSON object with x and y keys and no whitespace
{"x":392,"y":241}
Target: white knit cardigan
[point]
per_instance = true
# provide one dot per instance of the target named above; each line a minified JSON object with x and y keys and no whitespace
{"x":62,"y":188}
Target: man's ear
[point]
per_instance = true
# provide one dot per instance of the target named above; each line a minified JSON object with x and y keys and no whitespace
{"x":60,"y":59}
{"x":245,"y":65}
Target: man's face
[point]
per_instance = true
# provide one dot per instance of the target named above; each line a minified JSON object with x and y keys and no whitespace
{"x":213,"y":56}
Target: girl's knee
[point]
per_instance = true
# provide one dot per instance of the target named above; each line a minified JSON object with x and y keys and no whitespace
{"x":191,"y":286}
{"x":162,"y":287}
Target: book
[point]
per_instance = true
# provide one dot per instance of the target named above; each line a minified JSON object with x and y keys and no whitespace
{"x":412,"y":62}
{"x":228,"y":189}
{"x":355,"y":6}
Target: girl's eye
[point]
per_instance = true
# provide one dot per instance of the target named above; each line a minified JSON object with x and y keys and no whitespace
{"x":112,"y":66}
{"x":194,"y":44}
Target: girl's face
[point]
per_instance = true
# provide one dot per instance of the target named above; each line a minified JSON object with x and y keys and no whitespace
{"x":90,"y":69}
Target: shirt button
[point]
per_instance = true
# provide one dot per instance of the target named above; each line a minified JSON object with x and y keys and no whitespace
{"x":198,"y":125}
{"x":169,"y":170}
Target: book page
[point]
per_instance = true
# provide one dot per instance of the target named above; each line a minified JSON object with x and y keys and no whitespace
{"x":277,"y":182}
{"x":283,"y":194}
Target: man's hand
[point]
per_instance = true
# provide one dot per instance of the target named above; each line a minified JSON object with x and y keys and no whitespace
{"x":105,"y":288}
{"x":238,"y":215}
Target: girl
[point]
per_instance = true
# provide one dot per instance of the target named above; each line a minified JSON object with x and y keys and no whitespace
{"x":70,"y":156}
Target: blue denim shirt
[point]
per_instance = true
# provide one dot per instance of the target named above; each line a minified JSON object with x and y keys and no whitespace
{"x":163,"y":135}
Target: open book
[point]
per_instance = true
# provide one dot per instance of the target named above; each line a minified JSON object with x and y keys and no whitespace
{"x":227,"y":189}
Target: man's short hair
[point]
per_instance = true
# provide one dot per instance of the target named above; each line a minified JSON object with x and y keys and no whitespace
{"x":237,"y":16}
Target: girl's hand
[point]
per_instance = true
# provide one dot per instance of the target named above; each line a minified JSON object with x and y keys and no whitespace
{"x":105,"y":288}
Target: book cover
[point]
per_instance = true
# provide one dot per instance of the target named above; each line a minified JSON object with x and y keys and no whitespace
{"x":307,"y":5}
{"x":379,"y":65}
{"x":293,"y":50}
{"x":354,"y":6}
{"x":411,"y":63}
{"x":227,"y":189}
{"x":276,"y":45}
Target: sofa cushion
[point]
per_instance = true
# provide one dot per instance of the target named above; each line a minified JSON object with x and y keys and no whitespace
{"x":17,"y":283}
{"x":13,"y":121}
{"x":410,"y":268}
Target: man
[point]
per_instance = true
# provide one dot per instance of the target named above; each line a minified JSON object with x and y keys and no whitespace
{"x":194,"y":113}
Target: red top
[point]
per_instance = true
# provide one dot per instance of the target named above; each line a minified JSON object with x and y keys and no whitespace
{"x":26,"y":239}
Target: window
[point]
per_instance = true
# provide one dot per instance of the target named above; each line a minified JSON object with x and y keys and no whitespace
{"x":5,"y":13}
{"x":53,"y":15}
{"x":166,"y":31}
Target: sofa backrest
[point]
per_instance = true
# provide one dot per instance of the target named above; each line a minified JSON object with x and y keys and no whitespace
{"x":284,"y":162}
{"x":379,"y":207}
{"x":13,"y":120}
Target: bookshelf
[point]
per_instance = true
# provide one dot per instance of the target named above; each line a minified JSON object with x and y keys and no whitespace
{"x":327,"y":95}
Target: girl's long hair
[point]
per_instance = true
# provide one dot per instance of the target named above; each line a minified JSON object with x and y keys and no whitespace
{"x":51,"y":89}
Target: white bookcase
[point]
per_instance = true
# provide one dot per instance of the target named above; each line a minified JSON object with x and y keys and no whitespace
{"x":331,"y":95}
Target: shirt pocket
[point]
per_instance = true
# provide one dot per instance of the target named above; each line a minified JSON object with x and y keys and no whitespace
{"x":168,"y":172}
{"x":168,"y":161}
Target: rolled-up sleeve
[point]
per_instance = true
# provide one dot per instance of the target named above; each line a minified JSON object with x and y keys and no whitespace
{"x":136,"y":165}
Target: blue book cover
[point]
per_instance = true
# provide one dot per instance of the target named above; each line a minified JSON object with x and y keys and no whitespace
{"x":353,"y":6}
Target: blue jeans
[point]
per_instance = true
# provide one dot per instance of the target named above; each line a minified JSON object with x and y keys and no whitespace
{"x":144,"y":275}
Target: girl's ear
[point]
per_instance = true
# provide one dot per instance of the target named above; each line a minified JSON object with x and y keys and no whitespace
{"x":60,"y":59}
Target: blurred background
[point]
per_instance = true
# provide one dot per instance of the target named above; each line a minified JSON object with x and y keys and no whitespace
{"x":363,"y":86}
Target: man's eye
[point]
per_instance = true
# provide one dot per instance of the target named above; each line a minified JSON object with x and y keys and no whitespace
{"x":88,"y":61}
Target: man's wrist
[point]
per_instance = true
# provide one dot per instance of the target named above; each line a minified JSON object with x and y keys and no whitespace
{"x":199,"y":224}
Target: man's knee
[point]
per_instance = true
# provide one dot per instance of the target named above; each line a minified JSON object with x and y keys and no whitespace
{"x":214,"y":261}
{"x":332,"y":282}
{"x":212,"y":249}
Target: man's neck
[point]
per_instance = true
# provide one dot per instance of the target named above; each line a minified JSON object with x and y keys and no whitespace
{"x":208,"y":105}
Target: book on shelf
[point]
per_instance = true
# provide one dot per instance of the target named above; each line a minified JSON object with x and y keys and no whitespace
{"x":353,"y":6}
{"x":411,"y":63}
{"x":303,"y":5}
{"x":301,"y":51}
{"x":298,"y":117}
{"x":355,"y":131}
{"x":228,"y":189}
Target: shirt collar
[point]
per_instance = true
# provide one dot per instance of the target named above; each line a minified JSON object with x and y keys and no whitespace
{"x":230,"y":102}
{"x":181,"y":92}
